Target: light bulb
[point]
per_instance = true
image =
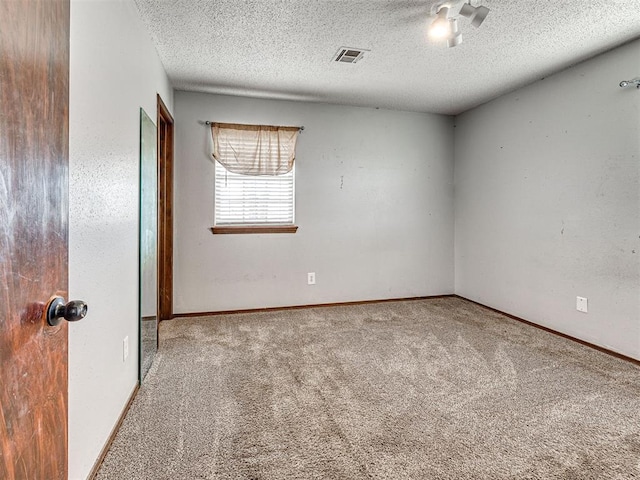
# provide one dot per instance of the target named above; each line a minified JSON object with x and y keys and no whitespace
{"x":440,"y":28}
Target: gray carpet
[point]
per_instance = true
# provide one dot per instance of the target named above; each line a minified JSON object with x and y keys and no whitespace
{"x":428,"y":389}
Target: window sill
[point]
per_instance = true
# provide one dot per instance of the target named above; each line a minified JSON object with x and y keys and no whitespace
{"x":227,"y":229}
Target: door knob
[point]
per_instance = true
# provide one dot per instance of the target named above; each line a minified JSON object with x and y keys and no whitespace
{"x":56,"y":310}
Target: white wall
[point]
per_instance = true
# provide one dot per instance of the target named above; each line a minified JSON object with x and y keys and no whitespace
{"x":547,"y":202}
{"x":374,"y":206}
{"x":114,"y":71}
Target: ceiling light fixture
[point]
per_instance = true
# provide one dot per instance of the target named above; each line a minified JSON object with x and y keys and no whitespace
{"x":476,"y":14}
{"x":442,"y":27}
{"x":455,"y":38}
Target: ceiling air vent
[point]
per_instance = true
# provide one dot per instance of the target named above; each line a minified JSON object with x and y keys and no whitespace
{"x":349,"y":55}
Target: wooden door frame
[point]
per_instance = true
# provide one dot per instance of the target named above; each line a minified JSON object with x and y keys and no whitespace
{"x":165,"y":211}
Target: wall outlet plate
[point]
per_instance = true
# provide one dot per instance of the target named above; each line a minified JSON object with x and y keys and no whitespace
{"x":311,"y":278}
{"x":125,"y":348}
{"x":581,"y":304}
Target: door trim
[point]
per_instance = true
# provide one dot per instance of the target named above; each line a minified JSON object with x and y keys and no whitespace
{"x":165,"y":211}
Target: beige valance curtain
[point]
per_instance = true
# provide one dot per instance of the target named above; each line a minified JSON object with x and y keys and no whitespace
{"x":254,"y":149}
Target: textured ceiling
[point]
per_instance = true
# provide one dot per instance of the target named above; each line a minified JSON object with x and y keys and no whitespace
{"x":283,"y":48}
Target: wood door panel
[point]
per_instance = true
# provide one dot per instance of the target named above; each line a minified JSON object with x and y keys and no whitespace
{"x":34,"y":90}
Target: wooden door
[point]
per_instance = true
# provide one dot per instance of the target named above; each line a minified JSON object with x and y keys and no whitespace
{"x":34,"y":117}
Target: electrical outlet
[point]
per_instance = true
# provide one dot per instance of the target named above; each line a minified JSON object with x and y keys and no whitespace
{"x":125,"y":348}
{"x":311,"y":278}
{"x":581,"y":304}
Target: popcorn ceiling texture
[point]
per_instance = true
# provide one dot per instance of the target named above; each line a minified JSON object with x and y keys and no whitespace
{"x":425,"y":389}
{"x":282,"y":49}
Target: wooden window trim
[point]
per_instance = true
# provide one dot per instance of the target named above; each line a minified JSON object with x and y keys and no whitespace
{"x":242,"y":229}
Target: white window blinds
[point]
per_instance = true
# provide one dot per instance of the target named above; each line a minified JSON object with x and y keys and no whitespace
{"x":253,"y":200}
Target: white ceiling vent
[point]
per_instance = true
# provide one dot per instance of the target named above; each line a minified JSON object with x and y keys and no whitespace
{"x":349,"y":55}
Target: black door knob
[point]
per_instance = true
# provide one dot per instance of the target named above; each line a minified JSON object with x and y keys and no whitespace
{"x":73,"y":311}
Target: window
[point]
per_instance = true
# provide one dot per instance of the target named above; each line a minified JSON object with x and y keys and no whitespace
{"x":254,"y":178}
{"x":243,"y":200}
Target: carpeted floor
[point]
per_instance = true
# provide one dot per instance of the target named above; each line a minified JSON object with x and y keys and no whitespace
{"x":427,"y":389}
